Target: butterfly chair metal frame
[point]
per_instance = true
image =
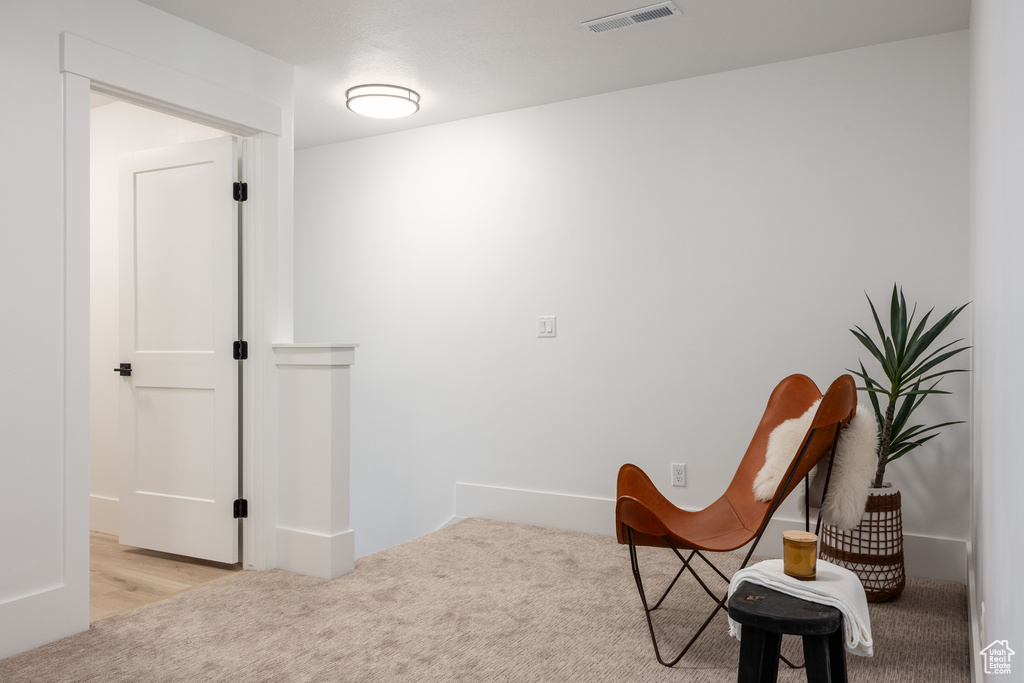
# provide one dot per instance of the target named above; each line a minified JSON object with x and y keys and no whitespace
{"x":834,"y":412}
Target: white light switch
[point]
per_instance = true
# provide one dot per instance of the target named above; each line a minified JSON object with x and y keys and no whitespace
{"x":546,"y":326}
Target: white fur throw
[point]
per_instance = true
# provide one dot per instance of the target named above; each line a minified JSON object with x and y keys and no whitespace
{"x":854,"y":464}
{"x":851,"y":474}
{"x":783,"y":443}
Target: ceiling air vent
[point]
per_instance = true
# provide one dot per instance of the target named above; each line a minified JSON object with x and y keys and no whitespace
{"x":662,"y":10}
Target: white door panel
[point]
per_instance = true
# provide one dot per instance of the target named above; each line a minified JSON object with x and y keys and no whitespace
{"x":179,"y":318}
{"x":175,"y":284}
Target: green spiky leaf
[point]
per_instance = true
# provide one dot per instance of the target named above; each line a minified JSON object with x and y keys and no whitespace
{"x":911,"y":368}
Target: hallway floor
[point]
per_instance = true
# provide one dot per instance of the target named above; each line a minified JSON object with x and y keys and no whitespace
{"x":122,"y":578}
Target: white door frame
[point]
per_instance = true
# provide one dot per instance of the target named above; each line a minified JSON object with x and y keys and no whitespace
{"x":87,"y":65}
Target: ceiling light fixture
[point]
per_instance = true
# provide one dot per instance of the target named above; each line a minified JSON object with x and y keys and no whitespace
{"x":382,"y":101}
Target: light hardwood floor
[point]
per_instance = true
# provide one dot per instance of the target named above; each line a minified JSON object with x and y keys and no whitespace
{"x":123,"y":578}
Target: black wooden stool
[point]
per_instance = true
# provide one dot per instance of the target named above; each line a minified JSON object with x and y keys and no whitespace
{"x":766,"y":615}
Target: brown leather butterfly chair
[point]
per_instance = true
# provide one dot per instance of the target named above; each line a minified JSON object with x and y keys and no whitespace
{"x":645,"y":517}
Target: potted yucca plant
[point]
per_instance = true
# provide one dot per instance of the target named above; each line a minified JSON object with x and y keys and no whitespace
{"x":913,"y":370}
{"x":911,"y":374}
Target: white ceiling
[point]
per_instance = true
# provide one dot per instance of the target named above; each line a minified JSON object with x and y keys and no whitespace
{"x":472,"y":57}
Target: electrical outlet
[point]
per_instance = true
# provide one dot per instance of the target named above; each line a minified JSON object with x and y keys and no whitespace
{"x":678,"y":474}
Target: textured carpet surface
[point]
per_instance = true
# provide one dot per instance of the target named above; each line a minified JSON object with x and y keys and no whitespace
{"x":476,"y":601}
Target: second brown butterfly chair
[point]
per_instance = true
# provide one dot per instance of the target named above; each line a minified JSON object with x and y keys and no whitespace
{"x":645,"y":517}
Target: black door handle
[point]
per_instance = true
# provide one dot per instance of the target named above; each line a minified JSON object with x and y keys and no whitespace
{"x":125,"y":370}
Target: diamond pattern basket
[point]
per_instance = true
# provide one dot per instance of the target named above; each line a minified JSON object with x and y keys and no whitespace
{"x":873,"y":550}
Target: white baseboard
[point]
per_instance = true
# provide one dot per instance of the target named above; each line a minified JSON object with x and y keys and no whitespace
{"x":926,"y":557}
{"x":974,"y":611}
{"x":540,"y":508}
{"x":312,"y":554}
{"x":42,"y":617}
{"x":103,"y":515}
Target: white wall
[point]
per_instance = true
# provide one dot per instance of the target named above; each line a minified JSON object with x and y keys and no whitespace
{"x":698,"y":241}
{"x":115,"y":129}
{"x":997,"y":215}
{"x":43,"y":439}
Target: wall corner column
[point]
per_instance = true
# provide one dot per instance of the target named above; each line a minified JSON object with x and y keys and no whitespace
{"x":313,"y":529}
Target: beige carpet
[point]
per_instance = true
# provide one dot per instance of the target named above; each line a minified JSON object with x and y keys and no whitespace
{"x":476,"y":601}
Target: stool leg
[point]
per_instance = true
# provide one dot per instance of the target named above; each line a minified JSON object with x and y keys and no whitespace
{"x":837,"y":655}
{"x":759,"y":656}
{"x":816,"y":657}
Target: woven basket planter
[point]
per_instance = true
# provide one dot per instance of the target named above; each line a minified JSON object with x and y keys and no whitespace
{"x":873,"y":550}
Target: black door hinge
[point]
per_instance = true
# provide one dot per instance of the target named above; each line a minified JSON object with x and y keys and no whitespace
{"x":241,"y":192}
{"x":240,"y":350}
{"x":241,"y":508}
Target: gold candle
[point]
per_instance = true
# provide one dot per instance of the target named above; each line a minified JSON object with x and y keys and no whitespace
{"x":799,"y":554}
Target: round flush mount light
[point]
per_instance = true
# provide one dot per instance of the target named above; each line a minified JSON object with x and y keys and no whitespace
{"x":382,"y":101}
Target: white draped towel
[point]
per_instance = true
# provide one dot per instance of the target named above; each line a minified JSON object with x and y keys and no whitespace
{"x":834,"y":585}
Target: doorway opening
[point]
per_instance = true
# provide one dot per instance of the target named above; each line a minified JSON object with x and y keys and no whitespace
{"x":121,"y":576}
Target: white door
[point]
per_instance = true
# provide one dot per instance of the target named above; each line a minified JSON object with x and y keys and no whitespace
{"x":179,"y":319}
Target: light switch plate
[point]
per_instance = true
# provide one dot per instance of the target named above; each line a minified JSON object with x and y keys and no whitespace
{"x":546,"y":326}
